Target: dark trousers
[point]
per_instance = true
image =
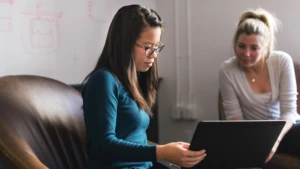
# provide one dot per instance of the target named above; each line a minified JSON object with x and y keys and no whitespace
{"x":290,"y":143}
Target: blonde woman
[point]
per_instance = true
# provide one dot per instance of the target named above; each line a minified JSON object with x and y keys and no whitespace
{"x":259,"y":83}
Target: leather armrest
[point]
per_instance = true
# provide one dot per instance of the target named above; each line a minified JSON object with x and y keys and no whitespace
{"x":17,"y":150}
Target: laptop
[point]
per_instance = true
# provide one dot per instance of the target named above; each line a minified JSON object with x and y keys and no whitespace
{"x":166,"y":165}
{"x":235,"y":144}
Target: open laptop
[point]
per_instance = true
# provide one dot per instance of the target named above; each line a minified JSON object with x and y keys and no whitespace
{"x":235,"y":144}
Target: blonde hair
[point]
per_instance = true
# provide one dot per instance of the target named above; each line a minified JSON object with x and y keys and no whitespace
{"x":261,"y":22}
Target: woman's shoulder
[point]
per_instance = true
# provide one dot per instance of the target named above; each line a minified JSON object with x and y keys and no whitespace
{"x":103,"y":77}
{"x":230,"y":64}
{"x":100,"y":79}
{"x":280,"y":57}
{"x":103,"y":74}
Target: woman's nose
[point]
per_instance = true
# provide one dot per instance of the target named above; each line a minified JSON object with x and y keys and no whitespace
{"x":153,"y":55}
{"x":247,"y":52}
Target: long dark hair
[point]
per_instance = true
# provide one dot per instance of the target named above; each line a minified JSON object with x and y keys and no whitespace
{"x":117,"y":54}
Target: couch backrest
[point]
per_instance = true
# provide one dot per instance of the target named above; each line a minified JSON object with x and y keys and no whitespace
{"x":41,"y":124}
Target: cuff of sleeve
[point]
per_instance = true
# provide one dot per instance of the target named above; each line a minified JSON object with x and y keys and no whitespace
{"x":289,"y":116}
{"x":154,"y":153}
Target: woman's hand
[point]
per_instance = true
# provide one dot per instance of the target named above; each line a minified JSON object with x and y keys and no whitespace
{"x":179,"y":154}
{"x":273,"y":151}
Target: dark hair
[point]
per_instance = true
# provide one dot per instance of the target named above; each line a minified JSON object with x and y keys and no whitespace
{"x":117,"y":54}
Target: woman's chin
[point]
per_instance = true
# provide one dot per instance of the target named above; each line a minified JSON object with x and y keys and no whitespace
{"x":143,"y":70}
{"x":246,"y":65}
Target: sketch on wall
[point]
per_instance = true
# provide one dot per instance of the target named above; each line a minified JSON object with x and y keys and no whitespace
{"x":54,"y":38}
{"x":40,"y":35}
{"x":6,"y":15}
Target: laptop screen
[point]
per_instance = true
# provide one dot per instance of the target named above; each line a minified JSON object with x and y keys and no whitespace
{"x":235,"y":144}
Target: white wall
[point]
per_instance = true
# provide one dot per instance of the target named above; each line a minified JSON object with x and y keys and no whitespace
{"x":58,"y":39}
{"x":202,"y":31}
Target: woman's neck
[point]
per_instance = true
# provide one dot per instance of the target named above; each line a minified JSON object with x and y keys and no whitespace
{"x":257,"y":68}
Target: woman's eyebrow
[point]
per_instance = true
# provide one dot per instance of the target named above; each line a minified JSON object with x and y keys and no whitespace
{"x":148,"y":43}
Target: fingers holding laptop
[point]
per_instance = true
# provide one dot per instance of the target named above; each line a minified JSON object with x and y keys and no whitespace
{"x":179,"y":154}
{"x":194,"y":157}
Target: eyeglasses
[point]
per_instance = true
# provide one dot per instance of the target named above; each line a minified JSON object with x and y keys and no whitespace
{"x":149,"y":50}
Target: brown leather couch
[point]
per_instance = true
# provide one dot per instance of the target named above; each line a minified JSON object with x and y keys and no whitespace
{"x":41,"y":124}
{"x":279,"y":160}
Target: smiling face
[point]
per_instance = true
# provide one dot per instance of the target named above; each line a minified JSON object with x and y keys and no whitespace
{"x":250,"y":50}
{"x":150,"y":37}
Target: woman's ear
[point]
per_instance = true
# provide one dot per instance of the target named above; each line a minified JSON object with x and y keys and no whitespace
{"x":265,"y":49}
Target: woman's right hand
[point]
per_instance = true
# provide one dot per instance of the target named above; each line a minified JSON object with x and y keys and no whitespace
{"x":179,"y":154}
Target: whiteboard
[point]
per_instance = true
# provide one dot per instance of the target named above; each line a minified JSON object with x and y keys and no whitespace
{"x":60,"y":39}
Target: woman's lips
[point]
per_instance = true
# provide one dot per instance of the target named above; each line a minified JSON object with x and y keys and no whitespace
{"x":149,"y":64}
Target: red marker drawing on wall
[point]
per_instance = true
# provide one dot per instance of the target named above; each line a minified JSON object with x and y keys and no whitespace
{"x":6,"y":15}
{"x":42,"y":35}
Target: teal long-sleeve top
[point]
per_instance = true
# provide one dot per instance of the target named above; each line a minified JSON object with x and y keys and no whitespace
{"x":116,"y":126}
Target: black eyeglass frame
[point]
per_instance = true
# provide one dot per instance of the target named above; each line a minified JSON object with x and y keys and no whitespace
{"x":156,"y":50}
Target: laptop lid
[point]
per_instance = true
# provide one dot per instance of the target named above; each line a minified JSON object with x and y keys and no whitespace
{"x":235,"y":144}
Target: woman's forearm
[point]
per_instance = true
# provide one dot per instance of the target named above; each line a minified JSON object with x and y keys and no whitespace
{"x":286,"y":128}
